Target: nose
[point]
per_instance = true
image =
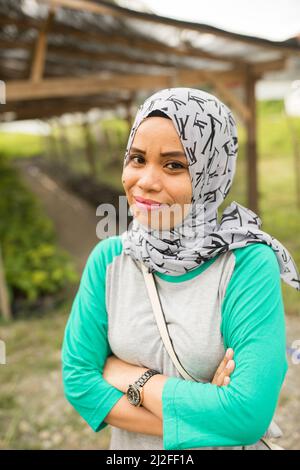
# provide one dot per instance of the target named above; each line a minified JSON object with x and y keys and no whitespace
{"x":150,"y":180}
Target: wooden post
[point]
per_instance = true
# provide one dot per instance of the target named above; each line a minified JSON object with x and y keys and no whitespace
{"x":296,"y":148}
{"x":4,"y":297}
{"x":129,"y":113}
{"x":64,"y":142}
{"x":55,"y":142}
{"x":39,"y":56}
{"x":251,"y":147}
{"x":51,"y":145}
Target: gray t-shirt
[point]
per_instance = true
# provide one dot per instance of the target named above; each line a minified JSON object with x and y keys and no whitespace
{"x":193,"y":313}
{"x":233,"y":300}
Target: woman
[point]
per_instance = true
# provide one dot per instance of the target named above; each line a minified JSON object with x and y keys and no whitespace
{"x":219,"y":286}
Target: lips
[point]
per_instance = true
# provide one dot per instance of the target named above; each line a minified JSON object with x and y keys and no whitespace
{"x":149,"y":202}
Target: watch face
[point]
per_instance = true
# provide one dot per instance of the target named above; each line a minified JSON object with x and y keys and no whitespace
{"x":133,"y":395}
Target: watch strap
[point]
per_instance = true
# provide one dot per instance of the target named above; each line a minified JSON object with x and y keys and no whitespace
{"x":146,"y":376}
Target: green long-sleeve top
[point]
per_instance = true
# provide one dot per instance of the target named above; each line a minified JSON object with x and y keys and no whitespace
{"x":233,"y":300}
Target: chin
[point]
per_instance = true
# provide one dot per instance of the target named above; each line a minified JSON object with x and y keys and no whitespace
{"x":154,"y":225}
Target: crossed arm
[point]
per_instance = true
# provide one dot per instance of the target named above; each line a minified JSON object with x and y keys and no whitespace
{"x":146,"y":419}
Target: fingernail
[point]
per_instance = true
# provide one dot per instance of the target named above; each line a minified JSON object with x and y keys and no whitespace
{"x":228,"y":352}
{"x":229,"y":364}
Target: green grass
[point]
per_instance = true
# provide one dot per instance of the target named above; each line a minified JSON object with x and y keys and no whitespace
{"x":274,"y":133}
{"x":34,"y":413}
{"x":20,"y":145}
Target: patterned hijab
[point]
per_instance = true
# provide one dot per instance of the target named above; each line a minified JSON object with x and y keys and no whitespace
{"x":208,"y":133}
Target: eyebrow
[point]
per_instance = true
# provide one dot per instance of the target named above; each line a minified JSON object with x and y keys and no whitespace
{"x":175,"y":153}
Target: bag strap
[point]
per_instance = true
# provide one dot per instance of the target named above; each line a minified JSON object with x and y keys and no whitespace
{"x":161,"y":322}
{"x":270,"y":444}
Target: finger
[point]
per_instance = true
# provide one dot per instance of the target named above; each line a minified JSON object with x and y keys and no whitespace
{"x":227,"y":357}
{"x":226,"y":380}
{"x":226,"y":372}
{"x":223,"y":363}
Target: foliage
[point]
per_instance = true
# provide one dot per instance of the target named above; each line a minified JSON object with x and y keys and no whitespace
{"x":20,"y":145}
{"x":34,"y":266}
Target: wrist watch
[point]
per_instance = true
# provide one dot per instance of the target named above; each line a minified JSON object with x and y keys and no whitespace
{"x":135,"y":391}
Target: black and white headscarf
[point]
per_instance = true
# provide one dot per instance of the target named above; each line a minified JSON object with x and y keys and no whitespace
{"x":208,"y":133}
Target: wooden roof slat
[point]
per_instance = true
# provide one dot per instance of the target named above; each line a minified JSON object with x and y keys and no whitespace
{"x":104,"y":8}
{"x":134,"y":42}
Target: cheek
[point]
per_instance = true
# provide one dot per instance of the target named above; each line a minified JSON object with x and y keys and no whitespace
{"x":125,"y":177}
{"x":128,"y":179}
{"x":181,"y":189}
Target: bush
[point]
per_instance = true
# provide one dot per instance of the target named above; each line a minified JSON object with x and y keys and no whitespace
{"x":34,"y":266}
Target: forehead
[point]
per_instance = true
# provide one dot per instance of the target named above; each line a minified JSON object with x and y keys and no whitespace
{"x":159,"y":127}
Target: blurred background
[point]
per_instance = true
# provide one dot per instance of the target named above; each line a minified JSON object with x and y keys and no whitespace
{"x":73,"y":74}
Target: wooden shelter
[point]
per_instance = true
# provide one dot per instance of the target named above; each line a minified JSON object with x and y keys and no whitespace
{"x":62,"y":56}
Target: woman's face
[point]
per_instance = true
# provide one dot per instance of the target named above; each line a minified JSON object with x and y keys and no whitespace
{"x":157,"y":170}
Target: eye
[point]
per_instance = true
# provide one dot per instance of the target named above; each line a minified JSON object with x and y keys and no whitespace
{"x":178,"y":167}
{"x":132,"y":158}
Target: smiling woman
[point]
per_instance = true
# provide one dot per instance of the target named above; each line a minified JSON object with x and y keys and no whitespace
{"x":156,"y":178}
{"x":218,"y":284}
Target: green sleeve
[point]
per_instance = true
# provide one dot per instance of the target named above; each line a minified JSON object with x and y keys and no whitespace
{"x":85,"y":345}
{"x":199,"y":414}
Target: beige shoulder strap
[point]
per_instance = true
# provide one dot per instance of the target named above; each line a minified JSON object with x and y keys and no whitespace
{"x":270,"y":444}
{"x":161,"y":323}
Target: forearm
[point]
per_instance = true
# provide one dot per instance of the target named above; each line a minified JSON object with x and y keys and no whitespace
{"x":153,"y":394}
{"x":152,"y":390}
{"x":120,"y":374}
{"x":135,"y":419}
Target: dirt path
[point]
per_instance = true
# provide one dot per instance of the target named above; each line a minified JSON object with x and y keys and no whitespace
{"x":74,"y":219}
{"x":75,"y":222}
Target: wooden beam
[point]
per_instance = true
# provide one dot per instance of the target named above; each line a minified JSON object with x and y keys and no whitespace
{"x":62,"y":87}
{"x":259,"y":68}
{"x":39,"y":58}
{"x":15,"y":44}
{"x":20,"y":23}
{"x":199,"y":77}
{"x":95,"y":83}
{"x":228,"y":96}
{"x":56,"y":108}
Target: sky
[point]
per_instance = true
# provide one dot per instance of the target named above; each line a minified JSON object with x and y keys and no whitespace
{"x":272,"y":19}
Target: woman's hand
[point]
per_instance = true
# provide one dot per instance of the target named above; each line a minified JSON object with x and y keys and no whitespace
{"x":225,"y":368}
{"x":120,"y":373}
